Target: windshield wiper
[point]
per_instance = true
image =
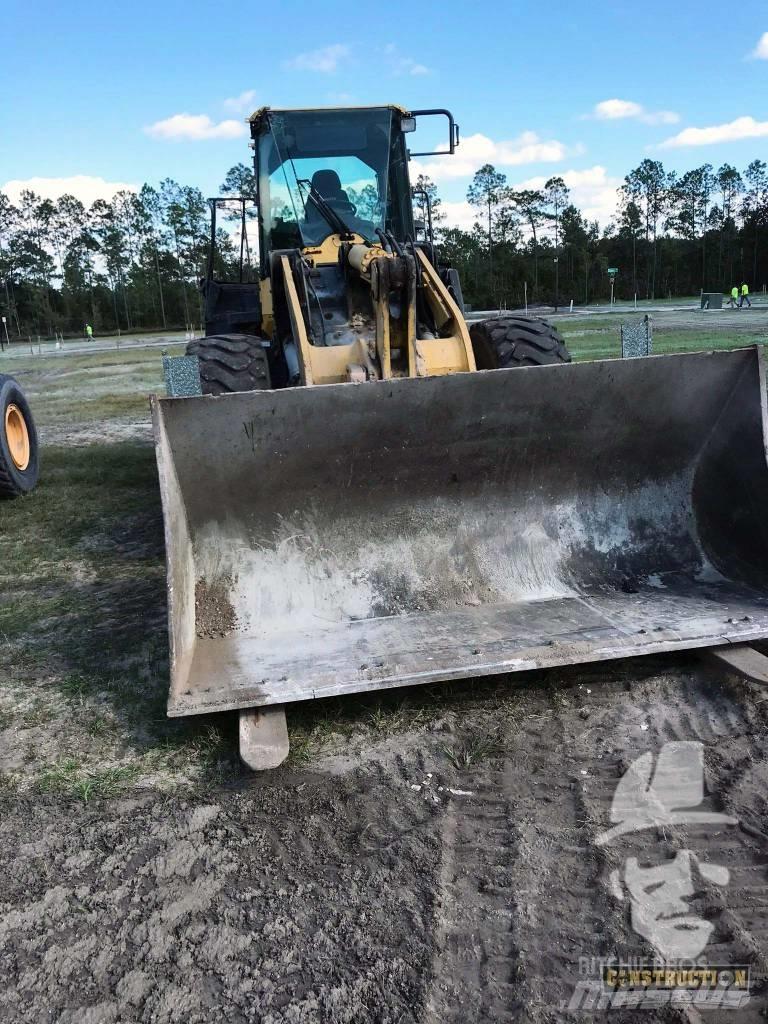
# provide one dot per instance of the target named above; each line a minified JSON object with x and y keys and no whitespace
{"x":331,"y":216}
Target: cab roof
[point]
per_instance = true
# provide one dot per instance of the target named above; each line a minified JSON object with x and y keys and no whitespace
{"x":259,"y":116}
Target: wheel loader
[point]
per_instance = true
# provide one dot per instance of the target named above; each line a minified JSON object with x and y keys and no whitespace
{"x":370,"y":494}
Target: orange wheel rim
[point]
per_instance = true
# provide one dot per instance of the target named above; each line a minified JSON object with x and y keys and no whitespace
{"x":17,"y":436}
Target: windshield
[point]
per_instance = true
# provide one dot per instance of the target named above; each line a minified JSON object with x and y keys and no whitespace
{"x":324,"y":170}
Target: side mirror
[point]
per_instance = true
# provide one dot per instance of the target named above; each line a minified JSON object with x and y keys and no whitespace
{"x":453,"y":131}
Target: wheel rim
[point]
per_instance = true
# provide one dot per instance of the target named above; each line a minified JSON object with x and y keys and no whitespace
{"x":17,"y":436}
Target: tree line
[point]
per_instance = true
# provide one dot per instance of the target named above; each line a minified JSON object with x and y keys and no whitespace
{"x":672,"y":235}
{"x":134,"y":262}
{"x":129,"y":263}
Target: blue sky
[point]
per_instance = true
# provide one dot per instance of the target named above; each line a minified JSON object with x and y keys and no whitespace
{"x":95,"y":92}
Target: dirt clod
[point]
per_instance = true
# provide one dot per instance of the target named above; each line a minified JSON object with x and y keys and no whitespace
{"x":214,"y":614}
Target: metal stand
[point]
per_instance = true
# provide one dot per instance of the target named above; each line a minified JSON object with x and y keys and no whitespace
{"x":742,"y":659}
{"x":637,"y":338}
{"x":264,"y":737}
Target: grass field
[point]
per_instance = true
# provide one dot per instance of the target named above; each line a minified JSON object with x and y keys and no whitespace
{"x":82,"y":579}
{"x":90,"y":389}
{"x":598,"y":337}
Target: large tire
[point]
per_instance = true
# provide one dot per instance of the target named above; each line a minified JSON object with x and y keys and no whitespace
{"x":231,"y":362}
{"x":507,"y":341}
{"x":19,"y":454}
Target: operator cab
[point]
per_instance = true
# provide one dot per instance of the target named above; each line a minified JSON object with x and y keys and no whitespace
{"x":326,"y":179}
{"x":331,"y":172}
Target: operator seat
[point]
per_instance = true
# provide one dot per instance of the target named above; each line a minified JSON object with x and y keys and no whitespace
{"x":328,"y":184}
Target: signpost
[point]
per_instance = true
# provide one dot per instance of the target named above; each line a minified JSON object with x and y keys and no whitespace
{"x":7,"y":340}
{"x":612,"y":272}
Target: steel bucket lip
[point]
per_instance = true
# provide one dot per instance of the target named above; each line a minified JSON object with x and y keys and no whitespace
{"x":603,"y":631}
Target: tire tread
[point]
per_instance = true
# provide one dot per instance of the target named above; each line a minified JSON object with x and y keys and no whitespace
{"x":513,"y":341}
{"x":230,"y":363}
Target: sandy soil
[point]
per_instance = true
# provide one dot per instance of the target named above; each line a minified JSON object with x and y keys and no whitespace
{"x":81,"y":434}
{"x":386,"y":884}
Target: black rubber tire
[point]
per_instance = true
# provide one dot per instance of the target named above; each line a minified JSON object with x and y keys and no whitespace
{"x":15,"y":481}
{"x":507,"y":341}
{"x":231,"y":362}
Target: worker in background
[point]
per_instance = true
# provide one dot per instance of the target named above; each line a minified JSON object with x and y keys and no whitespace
{"x":734,"y":300}
{"x":745,"y":296}
{"x":88,"y":332}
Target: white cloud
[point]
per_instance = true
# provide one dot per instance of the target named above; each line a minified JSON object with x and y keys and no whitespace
{"x":619,"y":110}
{"x":660,"y":117}
{"x":243,"y":103}
{"x":82,"y":186}
{"x":733,"y":131}
{"x":459,"y":214}
{"x":612,"y":110}
{"x":399,"y":65}
{"x":476,"y":150}
{"x":760,"y":52}
{"x":408,"y":66}
{"x":593,"y":191}
{"x":194,"y":128}
{"x":325,"y":60}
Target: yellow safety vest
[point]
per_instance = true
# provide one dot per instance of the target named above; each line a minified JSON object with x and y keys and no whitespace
{"x":745,"y":289}
{"x":735,"y":293}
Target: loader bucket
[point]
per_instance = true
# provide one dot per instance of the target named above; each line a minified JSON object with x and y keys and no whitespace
{"x":356,"y":537}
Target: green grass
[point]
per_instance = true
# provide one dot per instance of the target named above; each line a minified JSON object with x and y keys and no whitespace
{"x":83,"y":601}
{"x":82,"y":597}
{"x":473,"y":750}
{"x":91,"y":388}
{"x":70,"y":777}
{"x":601,"y":340}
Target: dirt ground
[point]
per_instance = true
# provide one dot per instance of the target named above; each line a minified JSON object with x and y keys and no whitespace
{"x":425,"y":857}
{"x":401,"y":882}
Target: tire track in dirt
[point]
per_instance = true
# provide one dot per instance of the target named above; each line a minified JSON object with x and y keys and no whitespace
{"x":524,"y":892}
{"x":517,"y":885}
{"x":475,"y":956}
{"x":561,"y":913}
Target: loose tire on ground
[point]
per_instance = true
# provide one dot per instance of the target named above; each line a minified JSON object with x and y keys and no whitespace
{"x":19,"y":455}
{"x":231,"y":362}
{"x":509,"y":341}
